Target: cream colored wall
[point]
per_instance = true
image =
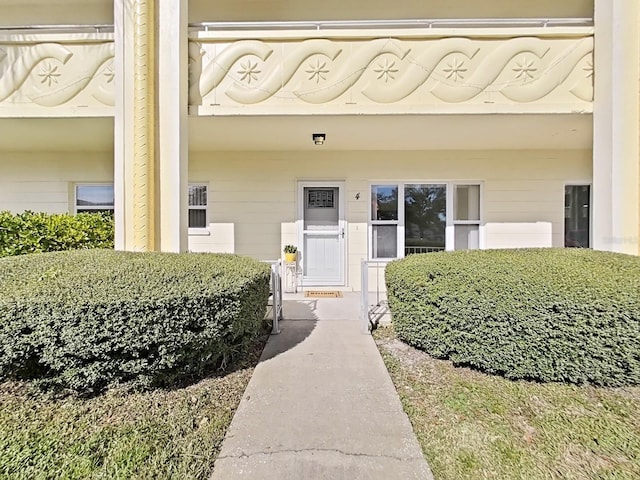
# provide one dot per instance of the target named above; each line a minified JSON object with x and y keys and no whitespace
{"x":43,"y":182}
{"x":259,"y":10}
{"x":52,"y":12}
{"x":254,"y":194}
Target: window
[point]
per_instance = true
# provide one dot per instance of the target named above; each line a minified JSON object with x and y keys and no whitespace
{"x":384,"y":220}
{"x":94,"y":198}
{"x":466,"y":204}
{"x":408,"y":218}
{"x":197,"y":206}
{"x":577,"y":215}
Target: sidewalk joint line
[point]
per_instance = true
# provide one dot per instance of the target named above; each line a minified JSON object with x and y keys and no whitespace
{"x":330,"y":450}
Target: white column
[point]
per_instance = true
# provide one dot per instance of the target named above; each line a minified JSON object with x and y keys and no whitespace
{"x":172,"y":123}
{"x":616,"y":145}
{"x":123,"y":137}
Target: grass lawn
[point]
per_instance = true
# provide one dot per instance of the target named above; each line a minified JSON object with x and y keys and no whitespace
{"x":476,"y":426}
{"x":118,"y":435}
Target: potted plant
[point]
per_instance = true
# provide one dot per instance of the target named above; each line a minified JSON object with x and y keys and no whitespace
{"x":290,"y":253}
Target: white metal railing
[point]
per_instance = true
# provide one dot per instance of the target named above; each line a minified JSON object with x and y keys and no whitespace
{"x":96,"y":28}
{"x":417,"y":250}
{"x":389,"y":24}
{"x":276,"y":295}
{"x":333,"y":24}
{"x":372,"y":309}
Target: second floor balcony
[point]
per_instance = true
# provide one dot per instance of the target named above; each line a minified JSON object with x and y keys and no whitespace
{"x":527,"y":66}
{"x":402,"y":67}
{"x":57,"y":71}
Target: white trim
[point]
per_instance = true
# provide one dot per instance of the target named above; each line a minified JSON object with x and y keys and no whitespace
{"x":199,"y":232}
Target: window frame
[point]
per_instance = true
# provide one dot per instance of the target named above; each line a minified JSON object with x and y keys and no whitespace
{"x":396,"y":223}
{"x":400,"y":223}
{"x":198,"y":230}
{"x":454,"y":222}
{"x":564,"y":189}
{"x":95,"y":208}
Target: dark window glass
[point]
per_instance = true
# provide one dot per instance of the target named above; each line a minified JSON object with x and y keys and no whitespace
{"x":425,"y":218}
{"x":577,"y":214}
{"x":385,"y":241}
{"x":384,"y":202}
{"x":94,"y":196}
{"x":197,"y":218}
{"x":197,"y":206}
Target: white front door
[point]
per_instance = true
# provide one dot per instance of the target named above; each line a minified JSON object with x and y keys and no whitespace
{"x":322,"y":233}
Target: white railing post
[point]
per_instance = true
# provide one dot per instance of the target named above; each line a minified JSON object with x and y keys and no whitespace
{"x":276,"y":293}
{"x":364,"y":297}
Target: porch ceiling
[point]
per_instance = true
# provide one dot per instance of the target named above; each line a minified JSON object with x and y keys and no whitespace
{"x":56,"y":134}
{"x":270,"y":133}
{"x":385,"y":132}
{"x":260,"y":10}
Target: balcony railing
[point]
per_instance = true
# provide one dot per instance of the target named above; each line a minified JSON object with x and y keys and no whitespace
{"x":352,"y":67}
{"x":395,"y":24}
{"x":418,"y":250}
{"x":57,"y":70}
{"x":95,"y":28}
{"x":392,"y":67}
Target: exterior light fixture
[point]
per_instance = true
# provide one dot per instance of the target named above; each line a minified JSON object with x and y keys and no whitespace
{"x":318,"y":138}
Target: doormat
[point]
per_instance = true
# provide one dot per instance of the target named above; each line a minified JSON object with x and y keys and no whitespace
{"x":321,"y":294}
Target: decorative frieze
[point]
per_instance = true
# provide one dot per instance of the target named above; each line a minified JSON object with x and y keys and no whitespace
{"x":74,"y":75}
{"x":397,"y":73}
{"x":65,"y":76}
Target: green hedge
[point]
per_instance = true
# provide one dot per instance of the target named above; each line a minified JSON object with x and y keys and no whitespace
{"x":87,"y":319}
{"x":31,"y":232}
{"x":568,"y":315}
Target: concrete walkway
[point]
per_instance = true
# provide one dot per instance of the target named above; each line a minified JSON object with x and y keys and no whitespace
{"x":320,"y":405}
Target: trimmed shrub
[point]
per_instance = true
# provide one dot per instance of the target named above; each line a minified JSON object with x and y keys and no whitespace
{"x":87,"y":319}
{"x":568,"y":315}
{"x":31,"y":232}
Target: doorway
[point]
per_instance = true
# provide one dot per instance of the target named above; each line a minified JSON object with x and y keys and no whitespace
{"x":322,"y":233}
